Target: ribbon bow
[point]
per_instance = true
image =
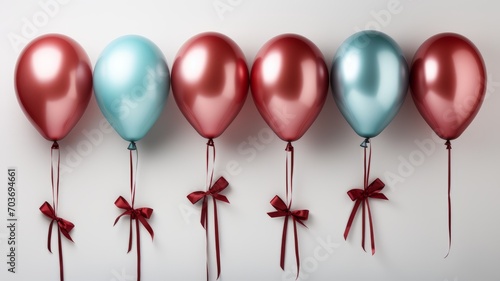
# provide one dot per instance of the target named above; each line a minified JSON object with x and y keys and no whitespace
{"x":282,"y":210}
{"x":361,"y":197}
{"x":213,"y":191}
{"x":140,"y":215}
{"x":64,"y":226}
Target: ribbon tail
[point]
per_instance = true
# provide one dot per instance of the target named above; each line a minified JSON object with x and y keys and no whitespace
{"x":130,"y":237}
{"x":49,"y":239}
{"x":204,"y":215}
{"x":118,"y":218}
{"x":351,"y":219}
{"x":296,"y":238}
{"x":204,"y":223}
{"x":206,"y":247}
{"x":61,"y":263}
{"x":66,"y":234}
{"x":372,"y":235}
{"x":283,"y":243}
{"x":147,"y":226}
{"x":138,"y":237}
{"x":363,"y":221}
{"x":216,"y":230}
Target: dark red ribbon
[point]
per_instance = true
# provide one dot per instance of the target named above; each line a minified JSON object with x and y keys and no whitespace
{"x":448,"y":147}
{"x":284,"y":210}
{"x":213,"y":191}
{"x":361,"y":196}
{"x":298,"y":216}
{"x":63,"y":226}
{"x":138,"y":214}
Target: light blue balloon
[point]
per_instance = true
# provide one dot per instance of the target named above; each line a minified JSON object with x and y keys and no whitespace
{"x":131,"y":85}
{"x":369,"y":80}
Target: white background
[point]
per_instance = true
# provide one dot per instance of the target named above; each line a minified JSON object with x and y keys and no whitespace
{"x":410,"y":228}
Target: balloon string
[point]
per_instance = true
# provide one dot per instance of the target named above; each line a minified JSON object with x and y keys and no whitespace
{"x":55,"y":156}
{"x":366,"y":205}
{"x":289,"y":173}
{"x":210,"y":166}
{"x":213,"y":190}
{"x":367,"y":166}
{"x":448,"y":147}
{"x":283,"y":209}
{"x":366,"y":177}
{"x":140,"y":214}
{"x":133,"y":171}
{"x":290,"y":162}
{"x":54,"y":173}
{"x":361,"y":197}
{"x":133,"y":151}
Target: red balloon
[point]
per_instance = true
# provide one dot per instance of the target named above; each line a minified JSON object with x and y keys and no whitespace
{"x":289,"y":82}
{"x":54,"y":84}
{"x":210,"y":82}
{"x":448,"y":82}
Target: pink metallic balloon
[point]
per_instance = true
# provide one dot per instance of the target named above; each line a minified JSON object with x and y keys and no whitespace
{"x":53,"y":80}
{"x":448,"y":82}
{"x":289,"y":82}
{"x":210,"y":82}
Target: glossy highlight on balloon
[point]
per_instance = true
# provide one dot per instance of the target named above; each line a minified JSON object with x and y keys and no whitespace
{"x":289,"y":82}
{"x":210,"y":82}
{"x":448,"y":82}
{"x":369,"y":78}
{"x":131,"y":85}
{"x":53,"y":80}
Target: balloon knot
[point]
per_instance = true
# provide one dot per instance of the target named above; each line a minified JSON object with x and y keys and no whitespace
{"x":55,"y":145}
{"x":132,"y":146}
{"x":210,"y":142}
{"x":289,"y":146}
{"x":365,"y":143}
{"x":448,"y":144}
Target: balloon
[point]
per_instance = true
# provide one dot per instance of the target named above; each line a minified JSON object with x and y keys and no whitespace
{"x":369,"y":81}
{"x":289,"y":82}
{"x":131,"y":84}
{"x":53,"y":80}
{"x":210,"y":82}
{"x":448,"y":82}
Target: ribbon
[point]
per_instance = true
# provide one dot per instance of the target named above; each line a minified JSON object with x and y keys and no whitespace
{"x":448,"y":147}
{"x":63,"y":226}
{"x":298,"y":216}
{"x":361,"y":196}
{"x":138,"y":214}
{"x":214,"y":191}
{"x":284,"y":210}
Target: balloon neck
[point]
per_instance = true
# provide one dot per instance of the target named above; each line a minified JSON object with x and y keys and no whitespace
{"x":365,"y":143}
{"x":55,"y":145}
{"x":132,"y":146}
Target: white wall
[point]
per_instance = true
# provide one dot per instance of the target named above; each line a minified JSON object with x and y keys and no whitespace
{"x":411,"y":228}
